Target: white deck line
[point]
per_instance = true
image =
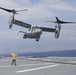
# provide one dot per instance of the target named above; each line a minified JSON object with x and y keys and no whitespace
{"x":33,"y":69}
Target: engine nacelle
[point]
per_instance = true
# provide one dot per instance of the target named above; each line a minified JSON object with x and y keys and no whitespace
{"x":56,"y":34}
{"x":11,"y":21}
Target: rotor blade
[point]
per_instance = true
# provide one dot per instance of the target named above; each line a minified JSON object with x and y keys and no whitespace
{"x":8,"y":10}
{"x":22,"y":10}
{"x":51,"y":21}
{"x":13,"y":10}
{"x":62,"y":22}
{"x":57,"y":19}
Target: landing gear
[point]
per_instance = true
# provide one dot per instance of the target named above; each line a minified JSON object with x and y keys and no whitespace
{"x":24,"y":37}
{"x":37,"y":39}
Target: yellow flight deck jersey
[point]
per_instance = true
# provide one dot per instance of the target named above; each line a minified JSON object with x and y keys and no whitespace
{"x":14,"y":55}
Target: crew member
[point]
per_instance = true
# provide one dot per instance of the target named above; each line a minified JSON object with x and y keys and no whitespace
{"x":14,"y":58}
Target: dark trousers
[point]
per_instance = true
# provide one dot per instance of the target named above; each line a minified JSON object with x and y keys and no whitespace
{"x":13,"y":62}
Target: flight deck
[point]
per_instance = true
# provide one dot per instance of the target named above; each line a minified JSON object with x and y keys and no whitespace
{"x":38,"y":66}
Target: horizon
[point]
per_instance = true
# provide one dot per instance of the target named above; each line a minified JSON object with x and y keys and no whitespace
{"x":64,"y":53}
{"x":38,"y":12}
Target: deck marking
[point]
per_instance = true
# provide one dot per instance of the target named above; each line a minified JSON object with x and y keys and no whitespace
{"x":37,"y":68}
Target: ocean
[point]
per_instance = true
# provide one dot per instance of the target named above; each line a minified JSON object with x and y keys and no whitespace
{"x":61,"y":53}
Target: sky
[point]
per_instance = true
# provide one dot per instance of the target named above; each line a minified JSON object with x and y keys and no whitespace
{"x":38,"y":12}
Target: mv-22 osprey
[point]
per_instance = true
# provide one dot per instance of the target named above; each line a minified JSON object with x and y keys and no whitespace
{"x":34,"y":31}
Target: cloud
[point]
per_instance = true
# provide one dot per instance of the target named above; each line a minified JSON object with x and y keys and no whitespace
{"x":37,"y":12}
{"x":8,"y":3}
{"x":40,"y":10}
{"x":59,"y":5}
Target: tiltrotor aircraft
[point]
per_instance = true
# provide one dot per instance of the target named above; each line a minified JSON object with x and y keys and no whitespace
{"x":34,"y":31}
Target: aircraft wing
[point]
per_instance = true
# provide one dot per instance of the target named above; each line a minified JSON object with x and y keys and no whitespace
{"x":47,"y":29}
{"x":26,"y":25}
{"x":20,"y":23}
